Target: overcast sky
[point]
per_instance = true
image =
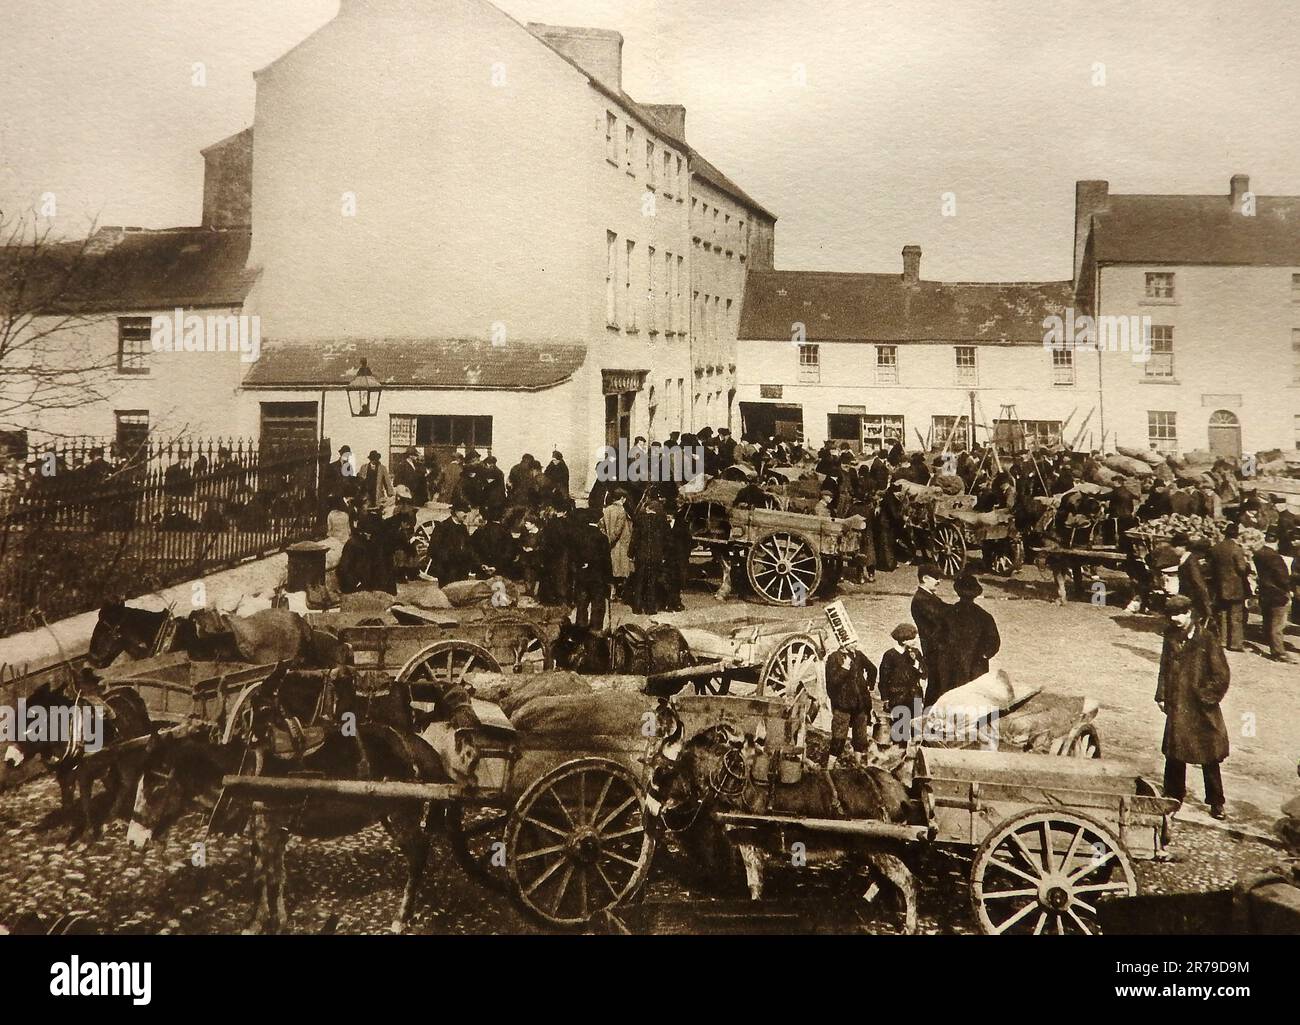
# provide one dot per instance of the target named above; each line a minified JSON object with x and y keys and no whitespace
{"x":903,"y":102}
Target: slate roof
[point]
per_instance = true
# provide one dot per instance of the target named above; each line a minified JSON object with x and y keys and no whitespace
{"x":426,"y":363}
{"x":125,"y":269}
{"x":836,"y":307}
{"x":1197,"y":230}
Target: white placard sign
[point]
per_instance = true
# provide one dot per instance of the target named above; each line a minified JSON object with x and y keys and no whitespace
{"x":838,"y":617}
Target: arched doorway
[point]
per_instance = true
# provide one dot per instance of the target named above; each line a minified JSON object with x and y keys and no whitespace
{"x":1225,"y":434}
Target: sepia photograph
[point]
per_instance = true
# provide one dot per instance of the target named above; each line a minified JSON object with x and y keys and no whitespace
{"x":650,"y":467}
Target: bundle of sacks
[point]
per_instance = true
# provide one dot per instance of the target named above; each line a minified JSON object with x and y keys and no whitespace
{"x":564,"y":704}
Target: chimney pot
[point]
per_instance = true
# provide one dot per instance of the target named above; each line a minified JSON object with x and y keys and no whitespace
{"x":911,"y":264}
{"x":1238,"y":186}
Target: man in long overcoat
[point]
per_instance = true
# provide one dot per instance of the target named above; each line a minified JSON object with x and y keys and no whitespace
{"x":1229,"y":576}
{"x":930,"y":614}
{"x":1193,"y":680}
{"x":592,"y":571}
{"x":649,"y":551}
{"x":1275,"y":586}
{"x":973,"y":634}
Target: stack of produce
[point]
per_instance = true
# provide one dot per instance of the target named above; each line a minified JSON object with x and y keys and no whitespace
{"x":1127,"y":465}
{"x":1201,"y":529}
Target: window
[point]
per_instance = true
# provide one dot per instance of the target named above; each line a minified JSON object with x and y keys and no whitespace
{"x":1162,"y":430}
{"x":1160,"y":363}
{"x":678,"y":295}
{"x":948,"y":432}
{"x":726,"y":323}
{"x":1295,"y":287}
{"x":667,"y":182}
{"x":132,"y":432}
{"x":810,"y":367}
{"x":611,"y":282}
{"x":649,"y":163}
{"x":1295,"y":355}
{"x":967,"y":371}
{"x":880,"y":430}
{"x":629,"y":151}
{"x":1019,"y":435}
{"x":886,"y":364}
{"x":681,"y":182}
{"x":440,"y":433}
{"x":1062,"y":367}
{"x":611,"y":138}
{"x":1160,"y":285}
{"x":669,"y":320}
{"x":652,"y":321}
{"x":629,"y":309}
{"x":133,"y":346}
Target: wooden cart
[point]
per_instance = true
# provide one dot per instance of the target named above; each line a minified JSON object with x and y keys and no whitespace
{"x":788,"y":556}
{"x":763,"y":652}
{"x":946,"y":530}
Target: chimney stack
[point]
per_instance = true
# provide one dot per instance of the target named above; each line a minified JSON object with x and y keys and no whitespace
{"x":1238,"y":186}
{"x":671,"y":114}
{"x":598,"y":51}
{"x":1090,"y":197}
{"x":911,"y":264}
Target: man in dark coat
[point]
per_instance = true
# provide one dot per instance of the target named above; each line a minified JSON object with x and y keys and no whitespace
{"x":495,"y":549}
{"x":1274,"y":584}
{"x":1229,"y":573}
{"x":1191,"y":578}
{"x":850,"y":677}
{"x":593,"y":571}
{"x":554,"y":558}
{"x":451,"y":557}
{"x":411,"y":475}
{"x":930,"y":614}
{"x":558,"y":472}
{"x":1193,"y":680}
{"x":902,"y":681}
{"x":650,"y":540}
{"x":494,"y":488}
{"x":972,"y":632}
{"x":876,"y":471}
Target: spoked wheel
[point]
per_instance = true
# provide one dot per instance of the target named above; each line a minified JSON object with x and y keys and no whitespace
{"x":518,"y":644}
{"x":477,"y":836}
{"x":1044,"y":870}
{"x":1008,"y":557}
{"x":790,"y":659}
{"x":1084,"y":744}
{"x":784,"y":568}
{"x":948,"y":549}
{"x":441,"y":664}
{"x":578,"y":842}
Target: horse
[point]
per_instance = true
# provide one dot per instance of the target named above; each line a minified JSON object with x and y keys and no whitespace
{"x":122,"y":715}
{"x":270,"y":635}
{"x":713,"y":772}
{"x":183,"y":773}
{"x":628,"y":649}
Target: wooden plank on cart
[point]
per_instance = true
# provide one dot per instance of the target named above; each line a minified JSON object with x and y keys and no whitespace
{"x":292,"y":786}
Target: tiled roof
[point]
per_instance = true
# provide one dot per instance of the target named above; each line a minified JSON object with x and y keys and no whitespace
{"x":882,"y":307}
{"x":123,"y":269}
{"x":434,"y":363}
{"x":1197,"y":229}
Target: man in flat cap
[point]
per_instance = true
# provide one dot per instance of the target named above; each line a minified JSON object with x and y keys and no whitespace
{"x":1193,"y":680}
{"x":974,"y":634}
{"x":902,"y":681}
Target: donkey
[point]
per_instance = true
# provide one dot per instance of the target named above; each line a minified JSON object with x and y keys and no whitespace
{"x":123,"y":715}
{"x":629,"y":649}
{"x":184,"y":773}
{"x":712,"y":773}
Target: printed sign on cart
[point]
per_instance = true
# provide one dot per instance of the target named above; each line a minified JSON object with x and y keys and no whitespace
{"x":838,"y":617}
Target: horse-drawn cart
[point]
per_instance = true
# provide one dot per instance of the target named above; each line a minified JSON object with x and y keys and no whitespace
{"x":946,"y":529}
{"x":788,"y":556}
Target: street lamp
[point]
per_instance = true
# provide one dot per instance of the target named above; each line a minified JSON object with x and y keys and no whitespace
{"x":364,"y":392}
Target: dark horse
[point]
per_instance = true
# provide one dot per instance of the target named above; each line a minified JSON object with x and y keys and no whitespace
{"x":270,"y":635}
{"x":120,"y":715}
{"x":631,"y":649}
{"x":713,"y":772}
{"x":184,"y":773}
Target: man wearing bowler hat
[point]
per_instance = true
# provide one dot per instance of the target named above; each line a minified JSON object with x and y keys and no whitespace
{"x":1193,"y":680}
{"x":974,"y":634}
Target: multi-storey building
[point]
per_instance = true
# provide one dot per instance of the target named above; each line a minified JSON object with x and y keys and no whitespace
{"x":1215,"y":280}
{"x":866,"y":358}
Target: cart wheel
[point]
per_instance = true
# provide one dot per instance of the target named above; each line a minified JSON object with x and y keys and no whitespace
{"x":948,"y":549}
{"x":443,"y":663}
{"x":788,"y":662}
{"x":1084,"y":744}
{"x":578,"y":842}
{"x":477,"y":837}
{"x":1042,"y":871}
{"x":518,"y":644}
{"x":1008,"y":557}
{"x":784,"y":568}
